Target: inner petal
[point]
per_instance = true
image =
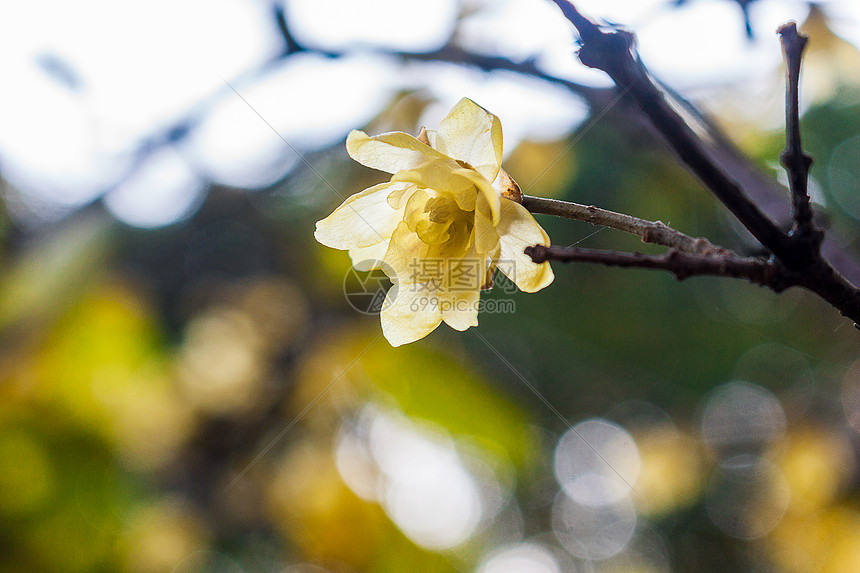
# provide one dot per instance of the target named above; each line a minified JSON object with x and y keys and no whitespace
{"x":431,"y":214}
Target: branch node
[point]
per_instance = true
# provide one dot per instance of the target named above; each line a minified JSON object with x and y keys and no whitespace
{"x":793,"y":158}
{"x":538,"y":253}
{"x":600,"y":50}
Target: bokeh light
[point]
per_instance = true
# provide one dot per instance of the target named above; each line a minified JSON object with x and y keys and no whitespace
{"x":162,"y":191}
{"x":221,"y":367}
{"x":661,"y":488}
{"x":597,"y":462}
{"x":422,"y":482}
{"x":593,"y":532}
{"x":520,"y":558}
{"x":741,"y":415}
{"x":27,"y":480}
{"x":843,"y":177}
{"x":747,"y":496}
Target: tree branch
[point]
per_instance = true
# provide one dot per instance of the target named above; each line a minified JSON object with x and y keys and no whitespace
{"x":823,"y":280}
{"x":793,"y":158}
{"x":798,"y":255}
{"x":655,"y":232}
{"x":456,"y":55}
{"x":613,"y":53}
{"x":683,"y":265}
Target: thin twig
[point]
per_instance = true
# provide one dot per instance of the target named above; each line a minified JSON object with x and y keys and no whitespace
{"x":793,"y":158}
{"x":655,"y":232}
{"x":683,"y":265}
{"x":487,"y":63}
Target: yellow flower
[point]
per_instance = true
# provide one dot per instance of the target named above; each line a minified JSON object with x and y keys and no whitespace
{"x":438,"y":228}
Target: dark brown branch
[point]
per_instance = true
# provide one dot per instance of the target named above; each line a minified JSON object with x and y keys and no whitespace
{"x":798,"y":255}
{"x":795,"y":161}
{"x":612,"y":52}
{"x":823,"y":279}
{"x":826,"y":282}
{"x":655,"y":232}
{"x":683,"y":265}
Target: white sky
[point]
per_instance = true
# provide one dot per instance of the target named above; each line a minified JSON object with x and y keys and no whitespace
{"x":143,"y":64}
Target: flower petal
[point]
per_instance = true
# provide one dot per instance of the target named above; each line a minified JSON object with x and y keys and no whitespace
{"x":486,"y":235}
{"x":462,"y":293}
{"x":410,"y":312}
{"x":460,"y":308}
{"x":518,"y":230}
{"x":398,"y":198}
{"x":388,"y":152}
{"x":362,"y":220}
{"x":443,"y":175}
{"x":405,"y":253}
{"x":487,"y":190}
{"x":368,"y":258}
{"x":448,"y":176}
{"x":472,"y":134}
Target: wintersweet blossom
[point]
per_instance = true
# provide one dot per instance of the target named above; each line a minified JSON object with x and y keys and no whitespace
{"x":439,"y":229}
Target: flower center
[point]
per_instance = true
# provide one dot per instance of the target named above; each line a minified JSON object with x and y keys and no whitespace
{"x":437,"y":219}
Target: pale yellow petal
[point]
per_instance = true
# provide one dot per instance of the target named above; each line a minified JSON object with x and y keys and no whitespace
{"x":486,"y":235}
{"x":364,"y":219}
{"x":398,"y":198}
{"x":486,"y":189}
{"x":460,"y":308}
{"x":518,"y":230}
{"x":368,"y":258}
{"x":388,"y":152}
{"x":472,"y":134}
{"x":405,"y":257}
{"x":446,"y":176}
{"x":462,"y":294}
{"x":411,"y":260}
{"x":410,"y":312}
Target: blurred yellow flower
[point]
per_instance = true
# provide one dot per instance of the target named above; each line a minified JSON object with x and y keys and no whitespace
{"x":439,"y":228}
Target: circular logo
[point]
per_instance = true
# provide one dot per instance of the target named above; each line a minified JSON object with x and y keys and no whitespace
{"x":366,"y":286}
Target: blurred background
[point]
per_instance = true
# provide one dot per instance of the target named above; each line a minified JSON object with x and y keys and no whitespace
{"x":184,"y":386}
